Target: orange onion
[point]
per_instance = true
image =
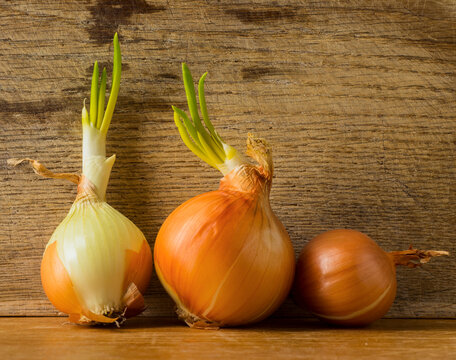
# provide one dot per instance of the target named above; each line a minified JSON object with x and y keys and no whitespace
{"x":97,"y":264}
{"x":224,"y":256}
{"x":343,"y":277}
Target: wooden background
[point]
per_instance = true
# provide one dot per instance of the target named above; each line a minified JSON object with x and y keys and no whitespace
{"x":357,"y":98}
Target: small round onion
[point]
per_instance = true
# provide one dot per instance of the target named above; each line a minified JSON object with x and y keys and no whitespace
{"x":343,"y":277}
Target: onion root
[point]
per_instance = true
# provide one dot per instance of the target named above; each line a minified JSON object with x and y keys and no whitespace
{"x":196,"y":322}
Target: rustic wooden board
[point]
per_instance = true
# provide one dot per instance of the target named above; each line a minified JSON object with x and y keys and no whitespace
{"x":357,"y":98}
{"x":148,"y":338}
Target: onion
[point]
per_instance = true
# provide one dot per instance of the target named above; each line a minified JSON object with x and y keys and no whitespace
{"x":224,"y":256}
{"x":343,"y":277}
{"x":97,"y":263}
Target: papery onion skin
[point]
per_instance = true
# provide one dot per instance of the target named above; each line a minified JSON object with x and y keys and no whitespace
{"x":60,"y":289}
{"x":224,"y":256}
{"x":344,"y":277}
{"x":57,"y":283}
{"x":91,"y":260}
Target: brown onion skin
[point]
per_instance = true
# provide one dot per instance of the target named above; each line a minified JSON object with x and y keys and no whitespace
{"x":345,"y":278}
{"x":229,"y":231}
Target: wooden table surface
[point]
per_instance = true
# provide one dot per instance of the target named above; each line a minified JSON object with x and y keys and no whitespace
{"x":356,"y":97}
{"x":149,"y":338}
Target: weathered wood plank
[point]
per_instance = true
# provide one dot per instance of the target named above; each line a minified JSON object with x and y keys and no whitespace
{"x":281,"y":339}
{"x":358,"y":100}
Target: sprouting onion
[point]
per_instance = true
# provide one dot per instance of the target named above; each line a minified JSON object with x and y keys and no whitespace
{"x":97,"y":263}
{"x":224,"y":256}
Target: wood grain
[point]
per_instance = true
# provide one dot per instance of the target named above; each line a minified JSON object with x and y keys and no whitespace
{"x":38,"y":338}
{"x":357,"y":98}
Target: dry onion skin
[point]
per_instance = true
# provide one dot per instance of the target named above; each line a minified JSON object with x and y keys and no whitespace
{"x":224,"y":256}
{"x":97,"y":263}
{"x":343,"y":277}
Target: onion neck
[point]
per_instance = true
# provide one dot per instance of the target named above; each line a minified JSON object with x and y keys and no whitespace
{"x":249,"y":178}
{"x":246,"y":178}
{"x":414,"y":257}
{"x":232,"y":160}
{"x":96,"y":167}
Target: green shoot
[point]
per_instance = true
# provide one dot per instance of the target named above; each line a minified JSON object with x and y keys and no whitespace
{"x":202,"y":101}
{"x":98,"y":117}
{"x":85,"y":115}
{"x":115,"y":86}
{"x":93,"y":96}
{"x":204,"y":142}
{"x":101,"y":99}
